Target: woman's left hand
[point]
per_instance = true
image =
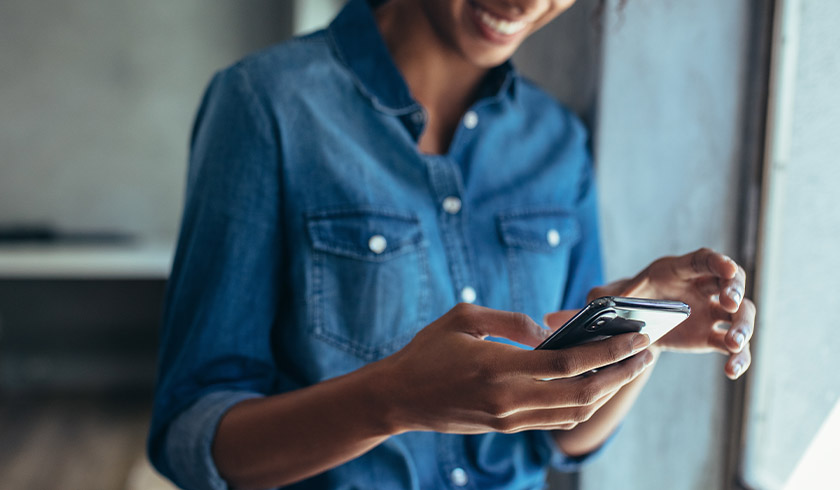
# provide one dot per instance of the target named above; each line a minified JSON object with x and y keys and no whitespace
{"x":713,"y":285}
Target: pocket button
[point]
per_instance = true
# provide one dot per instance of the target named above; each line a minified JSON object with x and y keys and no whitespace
{"x":377,"y":244}
{"x":553,"y":237}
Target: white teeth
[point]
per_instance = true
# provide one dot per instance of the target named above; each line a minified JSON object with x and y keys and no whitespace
{"x":501,"y":26}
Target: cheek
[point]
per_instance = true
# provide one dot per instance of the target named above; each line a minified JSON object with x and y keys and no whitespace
{"x":445,"y":17}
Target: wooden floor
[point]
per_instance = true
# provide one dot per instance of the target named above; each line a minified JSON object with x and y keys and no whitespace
{"x":64,"y":443}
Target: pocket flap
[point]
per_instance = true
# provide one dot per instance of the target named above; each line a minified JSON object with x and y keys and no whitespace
{"x":371,"y":234}
{"x":539,"y":230}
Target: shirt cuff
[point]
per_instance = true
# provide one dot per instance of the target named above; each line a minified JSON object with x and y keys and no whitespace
{"x":564,"y":463}
{"x":190,"y":438}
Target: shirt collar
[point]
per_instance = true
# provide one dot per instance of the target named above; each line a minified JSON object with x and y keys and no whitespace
{"x":359,"y":45}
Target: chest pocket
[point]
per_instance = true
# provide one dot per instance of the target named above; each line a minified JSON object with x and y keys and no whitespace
{"x":368,"y":280}
{"x":538,"y":245}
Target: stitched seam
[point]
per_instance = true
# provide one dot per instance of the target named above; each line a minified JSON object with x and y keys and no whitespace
{"x":361,"y":350}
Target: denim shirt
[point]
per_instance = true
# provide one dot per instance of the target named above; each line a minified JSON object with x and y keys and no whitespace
{"x":316,"y":238}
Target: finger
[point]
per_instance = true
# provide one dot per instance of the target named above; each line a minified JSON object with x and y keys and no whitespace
{"x":708,"y":286}
{"x":572,"y":361}
{"x":738,"y":363}
{"x":742,"y":327}
{"x":703,"y":262}
{"x":557,"y":319}
{"x":483,"y":322}
{"x":717,"y":341}
{"x":549,"y":419}
{"x":534,"y":394}
{"x":732,"y":291}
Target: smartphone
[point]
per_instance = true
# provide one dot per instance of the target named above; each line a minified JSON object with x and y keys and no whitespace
{"x":614,"y":315}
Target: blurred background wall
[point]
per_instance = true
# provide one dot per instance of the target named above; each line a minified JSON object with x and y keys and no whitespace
{"x":98,"y":98}
{"x":669,"y":154}
{"x":97,"y":104}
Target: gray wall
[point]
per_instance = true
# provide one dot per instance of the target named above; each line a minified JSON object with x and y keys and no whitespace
{"x":795,"y":369}
{"x":667,"y":119}
{"x":667,"y":151}
{"x":564,"y":58}
{"x":97,"y":101}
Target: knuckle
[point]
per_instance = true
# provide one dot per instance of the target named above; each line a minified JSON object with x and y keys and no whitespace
{"x":697,"y":261}
{"x":588,"y":393}
{"x":463,"y":310}
{"x":521,"y":321}
{"x":502,"y":425}
{"x":616,"y":350}
{"x":564,"y":363}
{"x":497,"y":405}
{"x":485,"y":373}
{"x":581,"y":414}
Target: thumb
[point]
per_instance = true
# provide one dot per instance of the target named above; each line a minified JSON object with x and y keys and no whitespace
{"x":514,"y":326}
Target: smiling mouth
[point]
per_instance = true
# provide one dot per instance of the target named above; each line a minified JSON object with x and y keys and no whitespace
{"x":498,"y":25}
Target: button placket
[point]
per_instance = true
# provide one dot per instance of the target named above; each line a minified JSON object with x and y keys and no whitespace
{"x":468,"y":294}
{"x":446,"y":184}
{"x":459,"y":477}
{"x":452,"y":205}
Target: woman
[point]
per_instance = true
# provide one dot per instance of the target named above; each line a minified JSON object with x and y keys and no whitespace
{"x":353,"y":196}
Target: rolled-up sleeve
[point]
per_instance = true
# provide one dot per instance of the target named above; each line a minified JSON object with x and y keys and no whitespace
{"x":221,"y":297}
{"x":190,"y":438}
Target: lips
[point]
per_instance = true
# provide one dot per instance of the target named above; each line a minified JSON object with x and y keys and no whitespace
{"x":495,"y":28}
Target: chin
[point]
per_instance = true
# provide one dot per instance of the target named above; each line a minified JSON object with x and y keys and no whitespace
{"x":484,"y":57}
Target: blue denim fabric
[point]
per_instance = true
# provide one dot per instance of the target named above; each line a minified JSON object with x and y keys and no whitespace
{"x":300,"y":155}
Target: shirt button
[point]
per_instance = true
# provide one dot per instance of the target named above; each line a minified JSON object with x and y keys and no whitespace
{"x":470,"y":119}
{"x":468,"y":295}
{"x":452,"y":205}
{"x":553,"y":237}
{"x":459,"y":477}
{"x":377,"y":244}
{"x":418,"y":118}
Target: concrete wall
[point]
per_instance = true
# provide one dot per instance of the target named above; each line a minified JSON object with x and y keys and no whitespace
{"x":564,"y":58}
{"x":97,"y":100}
{"x":795,"y":369}
{"x":667,"y":150}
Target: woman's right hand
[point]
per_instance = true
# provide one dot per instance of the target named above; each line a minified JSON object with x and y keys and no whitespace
{"x":450,"y":379}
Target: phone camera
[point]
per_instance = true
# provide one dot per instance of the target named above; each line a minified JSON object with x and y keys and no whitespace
{"x":601,"y":320}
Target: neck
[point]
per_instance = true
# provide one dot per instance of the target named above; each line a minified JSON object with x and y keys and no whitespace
{"x":441,"y":80}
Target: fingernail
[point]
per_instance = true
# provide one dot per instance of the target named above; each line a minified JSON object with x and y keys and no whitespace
{"x":728,"y":259}
{"x":734,"y":295}
{"x":739,"y":339}
{"x":648,"y":360}
{"x":736,"y":369}
{"x":640,"y":342}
